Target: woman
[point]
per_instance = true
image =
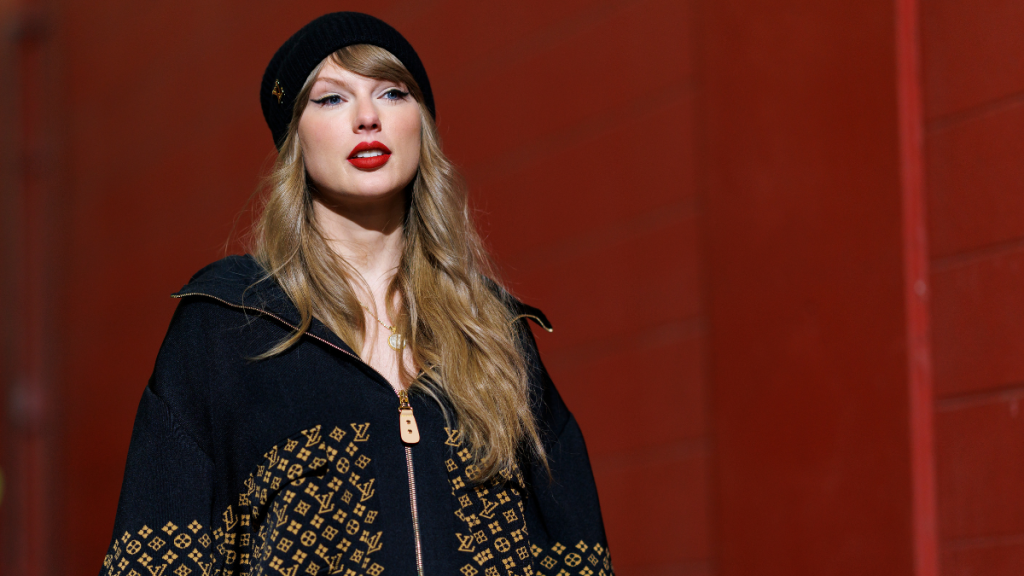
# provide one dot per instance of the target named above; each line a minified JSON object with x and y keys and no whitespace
{"x":357,"y":397}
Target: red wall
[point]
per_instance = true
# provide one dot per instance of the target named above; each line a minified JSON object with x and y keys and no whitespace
{"x":728,"y":209}
{"x":582,"y":174}
{"x":807,"y":307}
{"x":974,"y":97}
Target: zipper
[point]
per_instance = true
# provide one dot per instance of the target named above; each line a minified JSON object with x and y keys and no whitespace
{"x":407,"y":422}
{"x":540,"y":322}
{"x":411,"y":435}
{"x":415,"y":512}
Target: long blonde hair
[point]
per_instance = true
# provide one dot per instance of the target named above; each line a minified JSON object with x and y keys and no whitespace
{"x":461,"y":330}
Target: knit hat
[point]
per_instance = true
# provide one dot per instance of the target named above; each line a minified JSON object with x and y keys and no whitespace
{"x":301,"y":53}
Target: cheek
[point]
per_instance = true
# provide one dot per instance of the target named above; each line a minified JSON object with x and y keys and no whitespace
{"x":410,"y":137}
{"x":318,"y":148}
{"x":413,"y":156}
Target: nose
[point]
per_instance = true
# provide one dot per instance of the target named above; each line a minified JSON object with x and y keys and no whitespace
{"x":366,"y":118}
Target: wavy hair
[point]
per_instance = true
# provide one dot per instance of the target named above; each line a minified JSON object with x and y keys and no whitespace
{"x":460,"y":325}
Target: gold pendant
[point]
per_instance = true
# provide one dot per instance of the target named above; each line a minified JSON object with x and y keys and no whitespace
{"x":396,"y":341}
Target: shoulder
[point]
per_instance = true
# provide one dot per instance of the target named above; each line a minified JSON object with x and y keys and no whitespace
{"x":211,"y":337}
{"x":550,"y":411}
{"x":229,"y":276}
{"x":241,"y":283}
{"x":213,"y":295}
{"x":219,"y":313}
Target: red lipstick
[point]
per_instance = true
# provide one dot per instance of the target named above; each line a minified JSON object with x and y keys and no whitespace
{"x":377,"y":157}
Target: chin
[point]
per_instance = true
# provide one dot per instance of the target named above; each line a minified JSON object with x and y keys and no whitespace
{"x":367,"y":192}
{"x":364,"y":187}
{"x":380,"y":189}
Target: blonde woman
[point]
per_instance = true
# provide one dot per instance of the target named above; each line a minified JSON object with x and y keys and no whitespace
{"x":357,"y":396}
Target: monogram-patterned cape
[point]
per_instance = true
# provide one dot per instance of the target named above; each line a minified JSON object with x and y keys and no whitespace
{"x":294,"y":465}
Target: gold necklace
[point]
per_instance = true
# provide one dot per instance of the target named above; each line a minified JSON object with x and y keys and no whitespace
{"x":396,"y":341}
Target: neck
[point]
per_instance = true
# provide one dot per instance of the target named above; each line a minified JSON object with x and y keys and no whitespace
{"x":368,"y":236}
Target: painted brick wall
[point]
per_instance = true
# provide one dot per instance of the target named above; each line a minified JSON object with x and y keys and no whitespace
{"x":974,"y":100}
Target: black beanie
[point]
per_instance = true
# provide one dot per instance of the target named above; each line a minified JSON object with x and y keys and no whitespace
{"x":301,"y":53}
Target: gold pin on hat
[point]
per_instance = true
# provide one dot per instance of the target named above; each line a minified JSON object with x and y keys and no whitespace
{"x":277,"y":91}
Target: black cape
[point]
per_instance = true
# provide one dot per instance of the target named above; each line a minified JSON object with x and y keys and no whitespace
{"x":294,"y":465}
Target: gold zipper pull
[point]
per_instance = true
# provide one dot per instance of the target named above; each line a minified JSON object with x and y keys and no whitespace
{"x":406,"y":421}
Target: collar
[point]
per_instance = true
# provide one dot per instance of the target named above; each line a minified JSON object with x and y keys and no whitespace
{"x":240,"y":282}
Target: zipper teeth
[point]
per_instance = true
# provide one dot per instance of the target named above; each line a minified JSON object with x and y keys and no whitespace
{"x":408,"y":450}
{"x":415,"y":512}
{"x":543,"y":324}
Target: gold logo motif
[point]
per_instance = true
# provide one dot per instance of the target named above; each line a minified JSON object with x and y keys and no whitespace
{"x":373,"y":542}
{"x":325,"y":502}
{"x":366,"y":489}
{"x":488,"y":511}
{"x":229,"y":519}
{"x":454,"y":437}
{"x":362,"y":432}
{"x":465,"y":542}
{"x":312,"y":436}
{"x":278,"y":91}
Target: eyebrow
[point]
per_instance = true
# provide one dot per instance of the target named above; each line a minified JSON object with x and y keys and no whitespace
{"x":345,"y":86}
{"x":331,"y":80}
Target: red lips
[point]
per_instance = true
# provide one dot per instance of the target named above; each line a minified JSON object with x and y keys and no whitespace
{"x":369,"y":162}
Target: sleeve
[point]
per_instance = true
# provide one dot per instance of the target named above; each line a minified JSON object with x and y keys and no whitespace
{"x":564,"y":514}
{"x":164,"y":523}
{"x":162,"y":526}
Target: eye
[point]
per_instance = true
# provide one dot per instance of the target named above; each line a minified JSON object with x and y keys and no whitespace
{"x":395,"y":94}
{"x":328,"y":100}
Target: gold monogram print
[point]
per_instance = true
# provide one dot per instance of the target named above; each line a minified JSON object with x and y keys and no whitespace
{"x":598,"y":562}
{"x":315,"y":505}
{"x":168,"y":550}
{"x":493,"y":536}
{"x":309,"y":508}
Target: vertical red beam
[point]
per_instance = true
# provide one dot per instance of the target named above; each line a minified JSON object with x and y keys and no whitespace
{"x":915,"y":256}
{"x":30,"y":436}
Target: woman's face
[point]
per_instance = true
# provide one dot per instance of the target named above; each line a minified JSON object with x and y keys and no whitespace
{"x":360,"y":136}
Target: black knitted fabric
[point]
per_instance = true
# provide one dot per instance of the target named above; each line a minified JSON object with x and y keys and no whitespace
{"x":295,"y":466}
{"x":297,"y":57}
